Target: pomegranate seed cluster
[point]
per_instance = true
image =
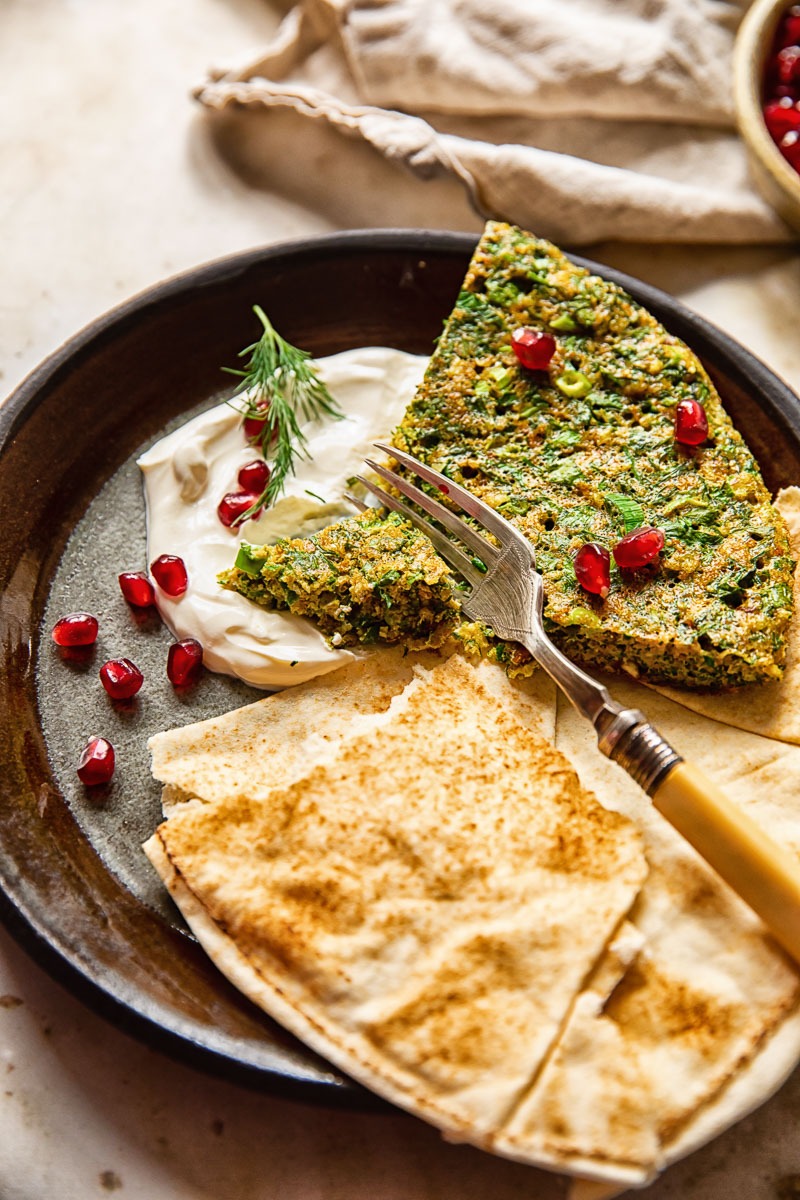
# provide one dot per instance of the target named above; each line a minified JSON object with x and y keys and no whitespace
{"x":637,"y":549}
{"x":252,"y":479}
{"x":120,"y":677}
{"x":781,"y":107}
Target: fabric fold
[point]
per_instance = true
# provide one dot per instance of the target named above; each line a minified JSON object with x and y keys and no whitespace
{"x":585,"y":122}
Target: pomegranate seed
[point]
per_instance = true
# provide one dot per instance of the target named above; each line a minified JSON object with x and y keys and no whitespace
{"x":253,"y":476}
{"x":788,"y":32}
{"x":121,"y":678}
{"x":254,"y":426}
{"x":533,"y":349}
{"x":789,"y":146}
{"x":137,"y":588}
{"x":231,"y":508}
{"x":76,"y":629}
{"x":781,"y":116}
{"x":593,"y":568}
{"x":184,"y":662}
{"x":96,"y":763}
{"x":788,"y":64}
{"x":691,"y":423}
{"x":169,"y":572}
{"x":638,"y":548}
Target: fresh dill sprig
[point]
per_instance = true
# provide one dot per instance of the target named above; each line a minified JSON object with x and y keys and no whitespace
{"x":281,"y":387}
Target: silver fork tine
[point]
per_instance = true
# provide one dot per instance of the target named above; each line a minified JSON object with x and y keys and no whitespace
{"x":464,"y":532}
{"x":489,"y":519}
{"x":356,"y":501}
{"x":450,"y":552}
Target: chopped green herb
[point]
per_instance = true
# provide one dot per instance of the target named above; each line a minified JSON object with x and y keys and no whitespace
{"x":567,"y":472}
{"x":629,"y":510}
{"x":247,"y":562}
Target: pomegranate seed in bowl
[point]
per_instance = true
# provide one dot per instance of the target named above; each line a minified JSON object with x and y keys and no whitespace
{"x":788,"y":64}
{"x":121,"y":678}
{"x":137,"y":588}
{"x":75,"y":629}
{"x":691,"y":423}
{"x":96,"y":763}
{"x":638,"y":548}
{"x":184,"y":662}
{"x":781,"y":116}
{"x":233,"y":506}
{"x":593,"y":568}
{"x":789,"y":146}
{"x":789,"y":31}
{"x":254,"y":476}
{"x":532,"y":348}
{"x":169,"y":572}
{"x":781,"y":88}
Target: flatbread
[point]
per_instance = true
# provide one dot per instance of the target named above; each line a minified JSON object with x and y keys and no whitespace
{"x":673,"y":1042}
{"x":660,"y":1048}
{"x":423,"y":908}
{"x":771,"y":709}
{"x":254,"y":749}
{"x":269,"y":744}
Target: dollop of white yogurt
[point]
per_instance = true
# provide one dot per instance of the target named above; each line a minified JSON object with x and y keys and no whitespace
{"x":187,"y":473}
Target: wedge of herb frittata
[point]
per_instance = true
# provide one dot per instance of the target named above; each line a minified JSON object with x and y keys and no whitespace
{"x":369,"y":578}
{"x":585,"y":452}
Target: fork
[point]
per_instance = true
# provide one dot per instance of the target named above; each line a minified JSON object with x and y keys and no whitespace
{"x":506,"y":592}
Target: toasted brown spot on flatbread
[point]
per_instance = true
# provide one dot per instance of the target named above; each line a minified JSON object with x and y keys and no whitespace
{"x":652,"y":1005}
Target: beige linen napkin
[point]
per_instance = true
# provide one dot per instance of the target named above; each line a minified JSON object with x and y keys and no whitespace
{"x":581,"y":119}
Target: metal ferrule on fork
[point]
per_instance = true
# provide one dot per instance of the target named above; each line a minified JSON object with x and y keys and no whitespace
{"x":627,"y":738}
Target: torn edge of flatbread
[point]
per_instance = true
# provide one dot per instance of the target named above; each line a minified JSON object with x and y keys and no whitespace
{"x":274,"y":741}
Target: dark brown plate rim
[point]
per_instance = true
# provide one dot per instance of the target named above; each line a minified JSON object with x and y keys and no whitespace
{"x":127,"y":1009}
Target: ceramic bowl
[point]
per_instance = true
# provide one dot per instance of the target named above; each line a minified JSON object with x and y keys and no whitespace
{"x":777,"y":181}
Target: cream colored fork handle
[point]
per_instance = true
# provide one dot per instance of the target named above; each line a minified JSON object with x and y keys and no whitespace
{"x":763,"y":873}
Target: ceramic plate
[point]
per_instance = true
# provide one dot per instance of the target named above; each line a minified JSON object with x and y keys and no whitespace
{"x":74,"y":886}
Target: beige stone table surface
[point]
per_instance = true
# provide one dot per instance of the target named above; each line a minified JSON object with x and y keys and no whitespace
{"x":111,"y":180}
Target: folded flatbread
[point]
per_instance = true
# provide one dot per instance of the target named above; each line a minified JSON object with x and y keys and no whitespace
{"x":692,"y":1037}
{"x":424,"y":907}
{"x":687,"y":1020}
